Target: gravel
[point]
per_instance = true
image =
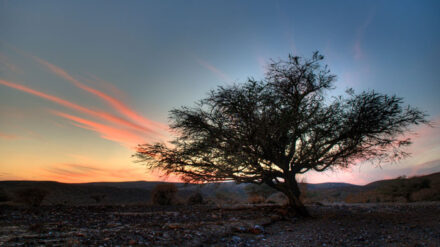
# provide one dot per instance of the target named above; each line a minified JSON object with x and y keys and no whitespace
{"x":415,"y":224}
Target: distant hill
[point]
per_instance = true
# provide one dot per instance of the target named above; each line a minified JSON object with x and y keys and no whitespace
{"x":420,"y":188}
{"x":402,"y":189}
{"x":331,"y":186}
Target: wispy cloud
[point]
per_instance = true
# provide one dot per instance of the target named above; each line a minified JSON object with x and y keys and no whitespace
{"x":213,"y":69}
{"x":8,"y":136}
{"x":99,"y":114}
{"x":360,"y":32}
{"x":74,"y":170}
{"x":125,"y":137}
{"x":105,"y":85}
{"x":5,"y":62}
{"x":118,"y":105}
{"x":71,"y":172}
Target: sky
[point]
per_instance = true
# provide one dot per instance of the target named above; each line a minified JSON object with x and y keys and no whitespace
{"x":83,"y":82}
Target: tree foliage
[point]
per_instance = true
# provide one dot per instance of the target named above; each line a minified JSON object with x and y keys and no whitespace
{"x":268,"y":131}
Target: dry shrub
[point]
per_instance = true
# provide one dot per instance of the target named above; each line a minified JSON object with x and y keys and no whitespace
{"x":196,"y":198}
{"x":32,"y":197}
{"x":256,"y":199}
{"x":164,"y":194}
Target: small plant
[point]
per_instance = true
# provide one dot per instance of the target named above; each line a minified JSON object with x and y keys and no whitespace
{"x":164,"y":194}
{"x":196,"y":198}
{"x":32,"y":197}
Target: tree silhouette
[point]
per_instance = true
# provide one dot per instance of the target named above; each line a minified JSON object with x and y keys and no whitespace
{"x":269,"y":131}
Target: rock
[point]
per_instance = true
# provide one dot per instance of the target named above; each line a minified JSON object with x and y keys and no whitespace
{"x":257,"y":229}
{"x":236,"y":239}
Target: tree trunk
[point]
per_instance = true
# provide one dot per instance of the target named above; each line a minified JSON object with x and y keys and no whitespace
{"x":291,"y":190}
{"x":297,"y":206}
{"x":293,"y":193}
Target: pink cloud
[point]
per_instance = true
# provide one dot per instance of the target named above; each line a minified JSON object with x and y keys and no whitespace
{"x":121,"y":136}
{"x":105,"y":85}
{"x":103,"y":115}
{"x":84,"y":172}
{"x":425,"y":138}
{"x":115,"y":103}
{"x":8,"y":136}
{"x":80,"y":173}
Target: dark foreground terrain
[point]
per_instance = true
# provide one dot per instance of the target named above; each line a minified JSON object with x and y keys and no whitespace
{"x":411,"y":224}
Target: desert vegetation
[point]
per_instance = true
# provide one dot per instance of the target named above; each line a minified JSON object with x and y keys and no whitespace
{"x":164,"y":194}
{"x":272,"y":130}
{"x":401,"y":189}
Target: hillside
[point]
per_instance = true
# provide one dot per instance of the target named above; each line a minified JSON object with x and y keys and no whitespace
{"x":423,"y":188}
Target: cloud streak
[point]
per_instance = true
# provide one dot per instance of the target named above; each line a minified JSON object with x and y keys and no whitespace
{"x":357,"y":47}
{"x":213,"y":69}
{"x":4,"y":61}
{"x":77,"y":173}
{"x":113,"y":102}
{"x":124,"y":137}
{"x":7,"y":136}
{"x":99,"y":114}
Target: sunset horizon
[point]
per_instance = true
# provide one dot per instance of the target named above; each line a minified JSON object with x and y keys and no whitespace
{"x":81,"y":85}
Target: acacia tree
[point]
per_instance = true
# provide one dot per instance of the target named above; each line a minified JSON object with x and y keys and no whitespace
{"x":269,"y":131}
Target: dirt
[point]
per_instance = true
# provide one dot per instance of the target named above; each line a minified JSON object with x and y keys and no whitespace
{"x":412,"y":224}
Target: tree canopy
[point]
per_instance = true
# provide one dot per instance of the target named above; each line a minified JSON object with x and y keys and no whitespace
{"x":270,"y":130}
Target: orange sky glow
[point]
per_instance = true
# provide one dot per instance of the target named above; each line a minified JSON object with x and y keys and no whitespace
{"x":81,"y":85}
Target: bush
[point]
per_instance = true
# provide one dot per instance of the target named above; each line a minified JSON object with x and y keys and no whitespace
{"x":403,"y":187}
{"x":164,"y":194}
{"x":32,"y":197}
{"x":196,"y":198}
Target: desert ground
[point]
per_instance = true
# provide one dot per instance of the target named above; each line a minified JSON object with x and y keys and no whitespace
{"x":397,"y":212}
{"x":337,"y":224}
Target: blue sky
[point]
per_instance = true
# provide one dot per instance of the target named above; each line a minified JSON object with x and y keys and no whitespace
{"x":157,"y":55}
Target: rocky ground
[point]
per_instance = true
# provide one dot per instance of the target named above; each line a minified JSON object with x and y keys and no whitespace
{"x":414,"y":224}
